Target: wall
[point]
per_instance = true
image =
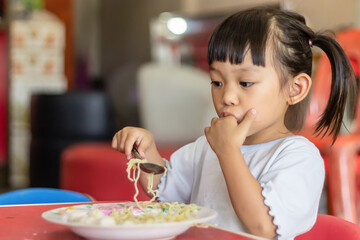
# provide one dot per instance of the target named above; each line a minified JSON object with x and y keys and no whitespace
{"x":324,"y":14}
{"x":87,"y":42}
{"x":202,"y":7}
{"x":125,"y":44}
{"x":320,"y":14}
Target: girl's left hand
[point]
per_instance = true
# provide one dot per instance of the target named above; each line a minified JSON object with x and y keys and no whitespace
{"x":226,"y":135}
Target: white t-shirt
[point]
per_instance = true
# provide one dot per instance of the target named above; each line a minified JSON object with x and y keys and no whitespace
{"x":290,"y":171}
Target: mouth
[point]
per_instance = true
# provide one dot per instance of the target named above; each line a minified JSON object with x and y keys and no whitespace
{"x":236,"y":116}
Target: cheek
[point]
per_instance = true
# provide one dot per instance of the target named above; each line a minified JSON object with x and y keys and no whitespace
{"x":217,"y":107}
{"x":269,"y":110}
{"x":216,"y":100}
{"x":269,"y":101}
{"x":264,"y":111}
{"x":214,"y":94}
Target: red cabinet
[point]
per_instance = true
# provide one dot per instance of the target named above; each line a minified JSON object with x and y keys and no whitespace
{"x":3,"y":97}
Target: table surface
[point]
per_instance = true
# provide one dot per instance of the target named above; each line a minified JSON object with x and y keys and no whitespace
{"x":25,"y":222}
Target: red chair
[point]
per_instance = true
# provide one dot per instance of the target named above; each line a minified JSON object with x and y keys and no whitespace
{"x":331,"y":228}
{"x":342,"y":158}
{"x":100,"y":171}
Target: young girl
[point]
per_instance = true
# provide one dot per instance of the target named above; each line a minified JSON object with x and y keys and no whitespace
{"x":250,"y":166}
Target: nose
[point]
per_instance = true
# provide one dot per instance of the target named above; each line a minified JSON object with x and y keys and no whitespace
{"x":230,"y":96}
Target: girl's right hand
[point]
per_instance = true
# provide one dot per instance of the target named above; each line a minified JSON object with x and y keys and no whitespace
{"x":128,"y":137}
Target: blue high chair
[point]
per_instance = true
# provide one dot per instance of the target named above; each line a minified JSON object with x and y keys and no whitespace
{"x":42,"y":195}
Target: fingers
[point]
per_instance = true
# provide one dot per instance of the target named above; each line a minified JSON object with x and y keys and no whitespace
{"x":142,"y":146}
{"x":213,"y":120}
{"x":128,"y":144}
{"x":114,"y":142}
{"x":248,"y":119}
{"x":128,"y":138}
{"x":207,"y":129}
{"x":123,"y":142}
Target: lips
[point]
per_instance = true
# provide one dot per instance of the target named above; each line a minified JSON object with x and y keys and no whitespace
{"x":236,"y":116}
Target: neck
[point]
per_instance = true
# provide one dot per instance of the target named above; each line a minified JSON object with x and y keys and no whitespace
{"x":267,"y":135}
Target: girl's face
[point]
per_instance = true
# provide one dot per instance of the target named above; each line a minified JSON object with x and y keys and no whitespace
{"x":236,"y":88}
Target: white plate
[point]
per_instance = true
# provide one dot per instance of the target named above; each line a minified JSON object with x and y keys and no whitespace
{"x":166,"y":230}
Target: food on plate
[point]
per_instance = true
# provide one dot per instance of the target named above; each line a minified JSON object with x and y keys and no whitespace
{"x":129,"y":214}
{"x":134,"y":213}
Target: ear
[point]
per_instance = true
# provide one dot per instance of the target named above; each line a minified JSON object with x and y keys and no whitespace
{"x":299,"y":88}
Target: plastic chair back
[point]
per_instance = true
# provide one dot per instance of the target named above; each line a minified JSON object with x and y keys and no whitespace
{"x":42,"y":195}
{"x":328,"y":227}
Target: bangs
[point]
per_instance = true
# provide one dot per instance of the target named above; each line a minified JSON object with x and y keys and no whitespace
{"x":239,"y":33}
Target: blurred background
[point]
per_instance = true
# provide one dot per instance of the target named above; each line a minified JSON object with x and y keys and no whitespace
{"x":78,"y":70}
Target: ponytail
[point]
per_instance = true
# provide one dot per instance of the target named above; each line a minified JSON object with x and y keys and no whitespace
{"x":343,"y":87}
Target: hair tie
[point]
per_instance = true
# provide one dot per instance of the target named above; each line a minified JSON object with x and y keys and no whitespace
{"x":310,"y":43}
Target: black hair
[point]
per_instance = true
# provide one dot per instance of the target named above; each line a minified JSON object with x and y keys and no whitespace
{"x":286,"y":32}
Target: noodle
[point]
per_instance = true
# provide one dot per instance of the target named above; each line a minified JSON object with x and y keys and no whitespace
{"x":157,"y":213}
{"x":173,"y":211}
{"x":135,"y":165}
{"x":149,"y":211}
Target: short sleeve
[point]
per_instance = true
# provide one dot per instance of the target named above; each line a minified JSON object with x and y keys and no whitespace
{"x":292,"y":188}
{"x":177,"y":184}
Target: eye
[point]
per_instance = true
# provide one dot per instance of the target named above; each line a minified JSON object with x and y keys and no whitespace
{"x":216,"y":83}
{"x":246,"y":84}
